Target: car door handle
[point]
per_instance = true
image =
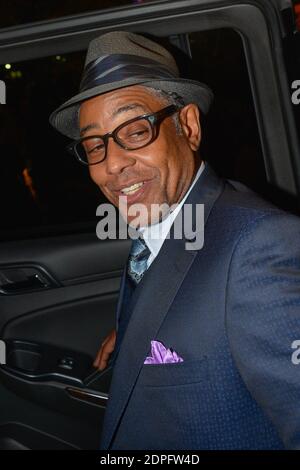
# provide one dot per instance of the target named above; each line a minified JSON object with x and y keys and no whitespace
{"x":25,"y":278}
{"x":96,"y":398}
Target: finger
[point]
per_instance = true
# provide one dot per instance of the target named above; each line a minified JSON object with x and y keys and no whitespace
{"x":106,"y":353}
{"x":104,"y":359}
{"x":98,"y":357}
{"x":107,"y":346}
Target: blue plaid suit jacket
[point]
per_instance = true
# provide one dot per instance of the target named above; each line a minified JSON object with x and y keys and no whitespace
{"x":231,"y":310}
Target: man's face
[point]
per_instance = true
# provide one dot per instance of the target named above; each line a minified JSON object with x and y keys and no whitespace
{"x":163,"y":170}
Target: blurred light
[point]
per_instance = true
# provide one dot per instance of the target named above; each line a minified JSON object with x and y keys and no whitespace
{"x":58,"y":57}
{"x":28,"y":182}
{"x":297,"y":14}
{"x":16,"y":74}
{"x":7,"y":66}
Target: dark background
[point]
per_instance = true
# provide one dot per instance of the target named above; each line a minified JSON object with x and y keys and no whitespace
{"x":14,"y":12}
{"x":44,"y":190}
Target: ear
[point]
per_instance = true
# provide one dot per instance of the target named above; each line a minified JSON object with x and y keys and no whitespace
{"x":190,"y":122}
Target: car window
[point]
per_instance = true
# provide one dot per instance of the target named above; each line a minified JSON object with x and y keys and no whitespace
{"x":291,"y":47}
{"x":231,"y":141}
{"x":47,"y":191}
{"x":42,"y":185}
{"x":231,"y":138}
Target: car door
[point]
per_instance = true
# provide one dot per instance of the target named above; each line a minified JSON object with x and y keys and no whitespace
{"x":59,"y":282}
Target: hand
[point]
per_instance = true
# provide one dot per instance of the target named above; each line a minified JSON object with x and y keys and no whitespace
{"x":107,"y":347}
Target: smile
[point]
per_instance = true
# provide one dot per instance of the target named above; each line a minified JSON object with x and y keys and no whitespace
{"x":132,"y":189}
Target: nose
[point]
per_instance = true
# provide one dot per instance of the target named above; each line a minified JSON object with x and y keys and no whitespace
{"x":117,"y":159}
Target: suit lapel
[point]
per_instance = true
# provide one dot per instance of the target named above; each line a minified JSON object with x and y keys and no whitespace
{"x":151,"y":302}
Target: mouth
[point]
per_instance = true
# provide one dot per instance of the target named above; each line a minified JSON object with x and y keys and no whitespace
{"x":129,"y":190}
{"x":134,"y":192}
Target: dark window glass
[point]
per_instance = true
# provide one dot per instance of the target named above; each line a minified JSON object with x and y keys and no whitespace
{"x":41,"y":184}
{"x":231,"y":138}
{"x":231,"y":141}
{"x":15,"y":12}
{"x":291,"y":49}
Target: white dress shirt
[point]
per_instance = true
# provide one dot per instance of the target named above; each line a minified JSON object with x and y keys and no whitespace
{"x":155,"y":235}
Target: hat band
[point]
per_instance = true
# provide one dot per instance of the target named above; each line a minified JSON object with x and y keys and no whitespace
{"x":116,"y":67}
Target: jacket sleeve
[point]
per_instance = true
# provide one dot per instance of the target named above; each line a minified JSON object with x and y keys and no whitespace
{"x":263,"y":318}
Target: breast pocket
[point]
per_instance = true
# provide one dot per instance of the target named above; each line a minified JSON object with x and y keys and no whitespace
{"x":173,"y":374}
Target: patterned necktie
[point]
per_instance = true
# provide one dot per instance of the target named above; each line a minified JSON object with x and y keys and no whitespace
{"x":136,"y":268}
{"x":137,"y":263}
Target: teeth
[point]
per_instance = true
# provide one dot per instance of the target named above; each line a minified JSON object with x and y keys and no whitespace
{"x":132,"y":189}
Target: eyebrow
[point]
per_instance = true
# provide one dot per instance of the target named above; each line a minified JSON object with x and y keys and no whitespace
{"x":89,"y":127}
{"x":126,"y":108}
{"x":114,"y":114}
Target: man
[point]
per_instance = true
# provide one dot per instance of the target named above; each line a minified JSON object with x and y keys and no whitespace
{"x":205,"y":355}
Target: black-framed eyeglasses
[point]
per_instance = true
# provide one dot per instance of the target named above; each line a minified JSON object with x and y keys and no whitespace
{"x":131,"y":135}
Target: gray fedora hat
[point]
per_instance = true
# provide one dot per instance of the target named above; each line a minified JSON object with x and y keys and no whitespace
{"x":121,"y":59}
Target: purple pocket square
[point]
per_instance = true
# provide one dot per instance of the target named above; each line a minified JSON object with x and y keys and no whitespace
{"x":161,"y":355}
